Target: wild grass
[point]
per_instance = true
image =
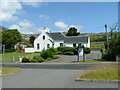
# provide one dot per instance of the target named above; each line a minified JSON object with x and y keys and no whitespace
{"x":105,"y":71}
{"x":95,"y":60}
{"x":8,"y":70}
{"x":12,"y":57}
{"x":100,"y":45}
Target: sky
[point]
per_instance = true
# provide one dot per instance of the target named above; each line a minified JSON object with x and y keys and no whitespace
{"x":30,"y":17}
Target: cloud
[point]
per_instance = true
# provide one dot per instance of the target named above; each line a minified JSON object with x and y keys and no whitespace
{"x":44,"y":17}
{"x":33,"y":4}
{"x":61,"y":25}
{"x":65,"y":27}
{"x":8,"y":10}
{"x":79,"y":27}
{"x":24,"y":26}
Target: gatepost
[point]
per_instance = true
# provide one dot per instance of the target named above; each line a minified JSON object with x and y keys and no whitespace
{"x":81,"y":53}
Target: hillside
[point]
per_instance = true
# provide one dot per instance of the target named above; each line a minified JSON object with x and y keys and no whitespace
{"x":94,"y":37}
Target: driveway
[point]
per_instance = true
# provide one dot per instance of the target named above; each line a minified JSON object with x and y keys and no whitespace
{"x":69,"y":59}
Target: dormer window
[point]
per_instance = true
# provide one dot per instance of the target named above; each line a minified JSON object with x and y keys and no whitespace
{"x":43,"y":37}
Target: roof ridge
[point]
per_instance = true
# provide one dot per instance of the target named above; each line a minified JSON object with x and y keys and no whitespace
{"x":78,"y":36}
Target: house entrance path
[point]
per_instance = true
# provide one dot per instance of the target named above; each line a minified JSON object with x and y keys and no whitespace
{"x":71,"y":58}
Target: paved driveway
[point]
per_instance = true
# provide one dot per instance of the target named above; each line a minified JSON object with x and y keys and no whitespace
{"x":69,"y":59}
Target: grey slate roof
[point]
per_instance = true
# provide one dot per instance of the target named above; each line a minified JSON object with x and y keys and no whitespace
{"x":68,"y":39}
{"x":56,"y":35}
{"x":76,"y":39}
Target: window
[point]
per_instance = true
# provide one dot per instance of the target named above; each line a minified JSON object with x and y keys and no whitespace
{"x":61,"y":44}
{"x":48,"y":45}
{"x":74,"y":44}
{"x":43,"y":37}
{"x":38,"y":46}
{"x":52,"y":45}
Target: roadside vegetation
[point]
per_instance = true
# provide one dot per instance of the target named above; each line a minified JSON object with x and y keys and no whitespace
{"x":95,"y":60}
{"x":97,"y":45}
{"x":105,"y":71}
{"x":12,"y":56}
{"x":45,"y":55}
{"x":8,"y":70}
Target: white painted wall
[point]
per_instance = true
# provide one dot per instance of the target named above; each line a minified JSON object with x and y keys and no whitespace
{"x":42,"y":43}
{"x":27,"y":50}
{"x":57,"y":43}
{"x":71,"y":44}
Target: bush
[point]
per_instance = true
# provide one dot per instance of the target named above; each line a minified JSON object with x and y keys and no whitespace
{"x":108,"y":56}
{"x":46,"y":54}
{"x":86,"y":50}
{"x":48,"y":59}
{"x":52,"y":50}
{"x":9,"y":50}
{"x":58,"y":52}
{"x":37,"y":59}
{"x":68,"y":53}
{"x":25,"y":59}
{"x":66,"y":49}
{"x":55,"y":57}
{"x":75,"y":51}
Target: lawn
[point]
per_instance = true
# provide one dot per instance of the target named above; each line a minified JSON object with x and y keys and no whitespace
{"x":12,"y":57}
{"x":8,"y":70}
{"x":100,"y":45}
{"x":108,"y":71}
{"x":95,"y":60}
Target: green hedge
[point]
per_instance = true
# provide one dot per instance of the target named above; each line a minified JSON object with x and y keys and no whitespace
{"x":46,"y":54}
{"x":52,"y":50}
{"x":87,"y":50}
{"x":68,"y":53}
{"x":32,"y":59}
{"x":25,"y":59}
{"x":64,"y":50}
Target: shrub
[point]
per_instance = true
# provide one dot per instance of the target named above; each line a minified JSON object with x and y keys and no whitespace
{"x":86,"y":50}
{"x":46,"y":54}
{"x":58,"y":52}
{"x":48,"y":59}
{"x":66,"y":49}
{"x":9,"y":50}
{"x":55,"y":57}
{"x":25,"y":59}
{"x":75,"y":51}
{"x":52,"y":50}
{"x":108,"y":56}
{"x":68,"y":53}
{"x":37,"y":59}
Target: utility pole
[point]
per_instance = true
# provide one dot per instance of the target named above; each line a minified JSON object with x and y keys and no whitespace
{"x":106,"y":35}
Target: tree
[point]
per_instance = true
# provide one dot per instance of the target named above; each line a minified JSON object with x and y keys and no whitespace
{"x":113,"y":51}
{"x":32,"y":38}
{"x":10,"y":38}
{"x":72,"y":32}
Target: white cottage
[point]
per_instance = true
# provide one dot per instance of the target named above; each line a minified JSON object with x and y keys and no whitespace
{"x":48,"y":39}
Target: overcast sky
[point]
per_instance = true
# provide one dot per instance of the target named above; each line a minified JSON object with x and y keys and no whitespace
{"x":30,"y":17}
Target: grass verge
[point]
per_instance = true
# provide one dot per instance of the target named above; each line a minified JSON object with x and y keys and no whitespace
{"x":12,"y":57}
{"x":8,"y":70}
{"x":95,"y":60}
{"x":106,"y":71}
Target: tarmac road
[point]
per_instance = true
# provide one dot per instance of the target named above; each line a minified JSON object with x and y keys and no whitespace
{"x":50,"y":76}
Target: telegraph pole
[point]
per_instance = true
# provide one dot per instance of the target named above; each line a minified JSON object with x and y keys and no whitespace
{"x":106,"y":35}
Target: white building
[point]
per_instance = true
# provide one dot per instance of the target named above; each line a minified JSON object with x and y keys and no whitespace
{"x":48,"y":39}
